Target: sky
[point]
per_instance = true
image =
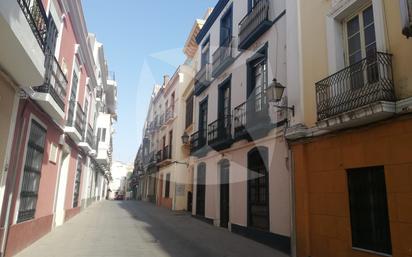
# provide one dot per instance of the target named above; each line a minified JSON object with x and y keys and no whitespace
{"x":142,"y":40}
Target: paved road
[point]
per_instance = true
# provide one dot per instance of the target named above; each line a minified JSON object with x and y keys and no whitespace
{"x":136,"y":229}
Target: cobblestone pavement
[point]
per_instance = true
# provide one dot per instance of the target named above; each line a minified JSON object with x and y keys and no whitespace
{"x":137,"y":229}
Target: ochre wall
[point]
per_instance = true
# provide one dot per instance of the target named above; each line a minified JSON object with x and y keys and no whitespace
{"x":322,"y":203}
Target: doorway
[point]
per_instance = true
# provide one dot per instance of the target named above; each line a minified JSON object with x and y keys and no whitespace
{"x":258,"y":189}
{"x":224,"y":193}
{"x":61,"y":190}
{"x":201,"y":190}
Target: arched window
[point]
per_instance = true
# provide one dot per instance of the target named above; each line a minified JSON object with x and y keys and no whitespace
{"x":201,"y":189}
{"x":258,"y":188}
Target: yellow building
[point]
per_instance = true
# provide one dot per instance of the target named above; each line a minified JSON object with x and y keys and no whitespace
{"x":352,"y":132}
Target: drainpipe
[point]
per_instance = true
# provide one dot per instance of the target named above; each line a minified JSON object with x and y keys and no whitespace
{"x":13,"y":181}
{"x":292,"y":199}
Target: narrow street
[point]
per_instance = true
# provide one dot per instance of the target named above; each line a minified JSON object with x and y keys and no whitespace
{"x":130,"y":229}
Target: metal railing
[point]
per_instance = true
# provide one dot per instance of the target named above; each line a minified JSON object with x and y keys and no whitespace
{"x":220,"y":130}
{"x":80,"y":119}
{"x":251,"y":113}
{"x":258,"y":15}
{"x":222,"y":55}
{"x":204,"y":75}
{"x":198,"y":140}
{"x":166,"y":153}
{"x":56,"y":85}
{"x":37,"y":19}
{"x":70,"y":113}
{"x":170,"y":113}
{"x":90,"y":138}
{"x":367,"y":81}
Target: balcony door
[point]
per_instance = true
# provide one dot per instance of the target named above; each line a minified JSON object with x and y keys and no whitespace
{"x":203,"y":122}
{"x":257,"y":84}
{"x":205,"y":59}
{"x":72,"y":103}
{"x":224,"y":110}
{"x":226,"y":25}
{"x":361,"y":43}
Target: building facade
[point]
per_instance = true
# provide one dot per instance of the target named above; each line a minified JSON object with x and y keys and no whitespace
{"x":351,"y":132}
{"x":48,"y":137}
{"x":242,"y":174}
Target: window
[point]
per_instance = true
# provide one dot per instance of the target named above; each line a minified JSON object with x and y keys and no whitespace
{"x":360,"y":34}
{"x":77,"y":183}
{"x":189,"y":110}
{"x":252,"y":4}
{"x":32,"y":172}
{"x":226,"y":24}
{"x":369,"y":210}
{"x":72,"y":103}
{"x":54,"y":150}
{"x":99,"y":132}
{"x":205,"y":58}
{"x":167,"y":186}
{"x":203,"y":121}
{"x":361,"y":43}
{"x":170,"y":143}
{"x":101,"y":135}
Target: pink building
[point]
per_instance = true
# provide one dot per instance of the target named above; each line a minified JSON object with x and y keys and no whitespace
{"x":52,"y":151}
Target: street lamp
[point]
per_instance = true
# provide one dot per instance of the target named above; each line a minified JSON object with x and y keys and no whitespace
{"x":274,"y":94}
{"x":185,"y":138}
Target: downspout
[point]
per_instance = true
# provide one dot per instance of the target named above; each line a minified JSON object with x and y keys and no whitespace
{"x":13,"y":181}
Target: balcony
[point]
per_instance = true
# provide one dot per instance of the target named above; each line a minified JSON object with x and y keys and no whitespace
{"x":203,"y":78}
{"x":52,"y":94}
{"x":88,"y":143}
{"x":359,"y":94}
{"x":251,"y":118}
{"x":198,"y":142}
{"x":23,"y":36}
{"x":75,"y":123}
{"x":170,"y":114}
{"x":220,"y":133}
{"x":164,"y":157}
{"x":254,"y":24}
{"x":223,"y":57}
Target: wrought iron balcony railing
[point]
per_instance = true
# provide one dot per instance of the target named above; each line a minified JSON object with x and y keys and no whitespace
{"x":254,"y":24}
{"x":198,"y":140}
{"x":166,"y":153}
{"x":80,"y":119}
{"x":90,"y":138}
{"x":365,"y":82}
{"x":37,"y":19}
{"x":203,"y":78}
{"x":56,"y":83}
{"x":220,"y":130}
{"x":252,"y":114}
{"x":223,"y":57}
{"x":170,"y":113}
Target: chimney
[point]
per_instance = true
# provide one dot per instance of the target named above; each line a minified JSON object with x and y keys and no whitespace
{"x":166,"y":80}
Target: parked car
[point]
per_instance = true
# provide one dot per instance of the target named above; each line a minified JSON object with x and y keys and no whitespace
{"x":119,"y":197}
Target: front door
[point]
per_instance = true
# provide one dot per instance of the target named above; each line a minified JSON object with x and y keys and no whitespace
{"x":258,"y":190}
{"x":61,"y":190}
{"x":224,"y":194}
{"x":201,"y":190}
